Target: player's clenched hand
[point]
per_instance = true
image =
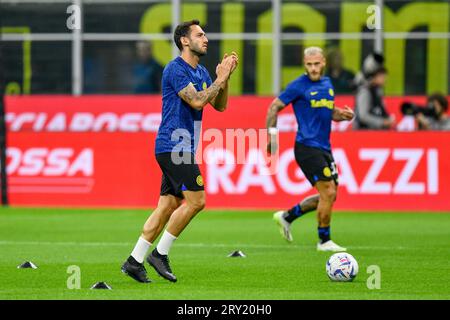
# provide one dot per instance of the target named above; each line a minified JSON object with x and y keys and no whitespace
{"x":272,"y":143}
{"x":272,"y":147}
{"x":347,"y":113}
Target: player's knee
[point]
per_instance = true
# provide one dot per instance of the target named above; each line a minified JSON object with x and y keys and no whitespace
{"x":197,"y":205}
{"x":169,"y":206}
{"x":333,"y":195}
{"x":174,"y":206}
{"x":329,"y":193}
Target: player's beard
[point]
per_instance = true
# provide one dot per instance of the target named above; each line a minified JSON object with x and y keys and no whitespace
{"x":198,"y":51}
{"x":317,"y":76}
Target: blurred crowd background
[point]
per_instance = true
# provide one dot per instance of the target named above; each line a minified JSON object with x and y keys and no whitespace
{"x":38,"y":46}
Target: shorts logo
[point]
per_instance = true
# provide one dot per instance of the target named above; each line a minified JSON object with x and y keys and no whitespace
{"x":327,"y":172}
{"x":199,"y":180}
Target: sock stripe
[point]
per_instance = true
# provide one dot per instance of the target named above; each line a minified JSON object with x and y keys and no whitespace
{"x":293,"y":213}
{"x":297,"y":210}
{"x":324,"y":233}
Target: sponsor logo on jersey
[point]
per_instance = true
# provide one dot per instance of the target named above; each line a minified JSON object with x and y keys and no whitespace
{"x":322,"y":103}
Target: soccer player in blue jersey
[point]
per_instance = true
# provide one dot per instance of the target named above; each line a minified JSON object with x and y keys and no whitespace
{"x":186,"y":90}
{"x":312,"y":97}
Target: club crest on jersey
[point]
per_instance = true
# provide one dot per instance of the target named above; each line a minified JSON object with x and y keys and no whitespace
{"x":331,"y":92}
{"x":204,"y":85}
{"x":199,"y":180}
{"x":327,"y":172}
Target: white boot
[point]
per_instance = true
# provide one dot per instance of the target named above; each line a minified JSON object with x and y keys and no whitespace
{"x":330,"y":246}
{"x":285,"y":227}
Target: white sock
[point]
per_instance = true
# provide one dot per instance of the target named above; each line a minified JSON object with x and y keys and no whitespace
{"x":165,"y":243}
{"x":140,"y":250}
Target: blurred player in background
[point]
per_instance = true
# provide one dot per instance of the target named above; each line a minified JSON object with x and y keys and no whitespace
{"x":341,"y":78}
{"x":186,"y":89}
{"x":312,"y":97}
{"x":147,"y":72}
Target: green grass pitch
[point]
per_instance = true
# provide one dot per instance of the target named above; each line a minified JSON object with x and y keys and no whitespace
{"x":411,"y":249}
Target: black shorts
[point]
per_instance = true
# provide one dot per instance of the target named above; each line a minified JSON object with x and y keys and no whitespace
{"x":178,"y":177}
{"x":316,"y":164}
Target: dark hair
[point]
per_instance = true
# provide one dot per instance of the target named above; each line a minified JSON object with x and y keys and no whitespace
{"x":183,"y":30}
{"x":441,"y":99}
{"x":373,"y":64}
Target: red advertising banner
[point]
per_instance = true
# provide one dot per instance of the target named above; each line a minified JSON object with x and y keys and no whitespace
{"x":99,"y":152}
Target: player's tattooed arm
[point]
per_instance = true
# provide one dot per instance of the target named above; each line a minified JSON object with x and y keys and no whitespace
{"x":198,"y":99}
{"x":228,"y":64}
{"x":271,"y":121}
{"x":272,"y":114}
{"x":344,"y":114}
{"x":220,"y":102}
{"x":217,"y":93}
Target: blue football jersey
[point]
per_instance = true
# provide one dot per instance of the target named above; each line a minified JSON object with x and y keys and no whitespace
{"x":181,"y":124}
{"x":313,"y":103}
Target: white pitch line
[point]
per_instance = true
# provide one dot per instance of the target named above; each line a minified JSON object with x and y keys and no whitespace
{"x":204,"y":245}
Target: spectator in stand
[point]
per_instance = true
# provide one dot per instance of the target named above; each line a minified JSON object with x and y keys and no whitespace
{"x":147,"y":71}
{"x":370,"y":110}
{"x":342,"y":79}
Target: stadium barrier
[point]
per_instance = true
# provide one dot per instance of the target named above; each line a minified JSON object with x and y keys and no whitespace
{"x":98,"y":151}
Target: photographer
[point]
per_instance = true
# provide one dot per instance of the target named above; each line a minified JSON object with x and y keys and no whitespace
{"x":370,"y":110}
{"x":433,"y":116}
